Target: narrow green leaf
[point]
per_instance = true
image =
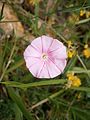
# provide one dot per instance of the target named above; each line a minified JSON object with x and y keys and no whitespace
{"x":84,"y":89}
{"x":74,"y":8}
{"x":34,"y":84}
{"x":74,"y":115}
{"x":18,"y":113}
{"x":82,"y":21}
{"x":17,"y":99}
{"x":36,"y":17}
{"x":79,"y":70}
{"x":70,"y":64}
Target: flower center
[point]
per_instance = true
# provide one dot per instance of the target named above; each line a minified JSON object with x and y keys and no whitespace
{"x":44,"y":56}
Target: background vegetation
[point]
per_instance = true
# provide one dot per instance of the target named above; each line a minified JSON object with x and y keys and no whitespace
{"x":23,"y":97}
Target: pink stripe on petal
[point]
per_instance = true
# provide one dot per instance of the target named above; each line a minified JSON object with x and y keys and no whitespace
{"x":44,"y":73}
{"x":48,"y":71}
{"x":30,"y":51}
{"x":40,"y":70}
{"x":60,"y":63}
{"x":55,"y":45}
{"x":30,"y":61}
{"x":59,"y":53}
{"x":54,"y":64}
{"x":35,"y":48}
{"x":42,"y":44}
{"x":36,"y":68}
{"x":50,"y":51}
{"x":53,"y":70}
{"x":37,"y":44}
{"x":46,"y":42}
{"x":31,"y":56}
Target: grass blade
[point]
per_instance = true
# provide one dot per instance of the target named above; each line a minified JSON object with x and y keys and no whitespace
{"x":17,"y":99}
{"x":71,"y":64}
{"x":16,"y":65}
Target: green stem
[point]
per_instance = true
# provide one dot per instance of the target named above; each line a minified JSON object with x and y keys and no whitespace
{"x":82,"y":21}
{"x":9,"y":61}
{"x":83,"y":65}
{"x":47,"y":99}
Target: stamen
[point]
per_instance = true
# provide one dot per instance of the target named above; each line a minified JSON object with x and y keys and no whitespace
{"x":44,"y":56}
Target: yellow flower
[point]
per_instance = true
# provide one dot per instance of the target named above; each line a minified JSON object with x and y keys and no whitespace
{"x":86,"y":52}
{"x":33,"y":2}
{"x":87,"y":14}
{"x":70,"y":53}
{"x":86,"y":46}
{"x":69,"y":42}
{"x":51,"y":20}
{"x":73,"y":80}
{"x":73,"y":18}
{"x":82,"y":12}
{"x":78,"y":96}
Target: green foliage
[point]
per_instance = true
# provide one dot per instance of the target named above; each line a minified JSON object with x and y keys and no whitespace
{"x":29,"y":98}
{"x":6,"y":109}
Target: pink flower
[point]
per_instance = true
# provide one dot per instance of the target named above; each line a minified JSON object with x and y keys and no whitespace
{"x":45,"y":57}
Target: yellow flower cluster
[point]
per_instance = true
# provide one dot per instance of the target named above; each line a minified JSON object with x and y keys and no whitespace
{"x":86,"y":51}
{"x":73,"y":18}
{"x":33,"y":2}
{"x":70,"y":51}
{"x":85,"y":12}
{"x":69,"y":42}
{"x":73,"y":80}
{"x":82,"y":12}
{"x":78,"y":96}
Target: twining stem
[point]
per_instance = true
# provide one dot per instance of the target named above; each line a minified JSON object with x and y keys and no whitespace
{"x":47,"y":99}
